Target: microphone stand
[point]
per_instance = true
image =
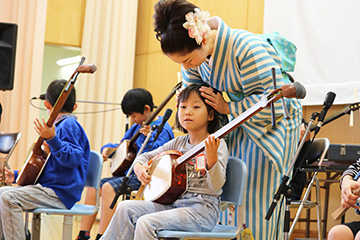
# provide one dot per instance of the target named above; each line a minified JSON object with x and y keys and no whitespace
{"x":125,"y":188}
{"x":285,"y":189}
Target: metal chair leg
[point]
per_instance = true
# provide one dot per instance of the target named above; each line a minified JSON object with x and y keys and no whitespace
{"x":67,"y":227}
{"x":318,"y":208}
{"x":35,"y":227}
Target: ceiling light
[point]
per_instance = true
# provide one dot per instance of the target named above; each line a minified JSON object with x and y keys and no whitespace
{"x":68,"y":61}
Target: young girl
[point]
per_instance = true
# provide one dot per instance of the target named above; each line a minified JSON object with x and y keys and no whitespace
{"x":198,"y":208}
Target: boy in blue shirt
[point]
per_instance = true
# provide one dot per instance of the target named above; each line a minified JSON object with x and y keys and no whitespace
{"x":138,"y":105}
{"x":63,"y":178}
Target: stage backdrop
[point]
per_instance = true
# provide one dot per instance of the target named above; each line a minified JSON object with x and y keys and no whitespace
{"x":327,"y":35}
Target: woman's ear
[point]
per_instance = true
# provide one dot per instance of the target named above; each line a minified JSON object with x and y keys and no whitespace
{"x":47,"y":104}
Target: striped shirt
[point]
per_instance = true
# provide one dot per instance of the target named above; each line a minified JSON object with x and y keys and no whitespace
{"x":240,"y":66}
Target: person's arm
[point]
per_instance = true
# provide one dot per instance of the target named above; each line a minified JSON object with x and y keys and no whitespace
{"x":349,"y":186}
{"x":348,"y":189}
{"x":216,"y":174}
{"x":141,"y":162}
{"x":66,"y":145}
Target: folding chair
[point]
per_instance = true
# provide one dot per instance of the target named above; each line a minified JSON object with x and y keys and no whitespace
{"x":92,"y":180}
{"x":318,"y":150}
{"x":233,"y":193}
{"x":8,"y":142}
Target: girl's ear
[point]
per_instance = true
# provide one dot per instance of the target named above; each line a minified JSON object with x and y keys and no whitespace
{"x":211,"y":116}
{"x":47,"y":104}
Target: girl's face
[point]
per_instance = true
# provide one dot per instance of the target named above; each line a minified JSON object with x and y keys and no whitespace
{"x":193,"y":114}
{"x":189,"y":60}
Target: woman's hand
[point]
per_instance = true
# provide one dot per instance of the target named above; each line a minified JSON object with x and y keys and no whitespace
{"x":348,"y":187}
{"x":177,"y":96}
{"x":141,"y":172}
{"x":216,"y":100}
{"x":9,"y":176}
{"x":211,"y":147}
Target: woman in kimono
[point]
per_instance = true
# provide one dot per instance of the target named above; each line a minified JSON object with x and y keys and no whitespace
{"x":238,"y":63}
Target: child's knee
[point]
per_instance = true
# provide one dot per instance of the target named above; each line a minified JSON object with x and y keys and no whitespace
{"x":107,"y":189}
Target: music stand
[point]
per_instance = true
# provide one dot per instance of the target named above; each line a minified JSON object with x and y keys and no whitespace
{"x":125,"y":188}
{"x":286,"y":190}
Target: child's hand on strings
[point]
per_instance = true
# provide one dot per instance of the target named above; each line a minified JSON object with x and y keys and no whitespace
{"x":142,"y":174}
{"x":211,"y":147}
{"x":145,"y":130}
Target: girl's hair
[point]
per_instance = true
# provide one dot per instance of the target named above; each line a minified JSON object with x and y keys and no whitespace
{"x":53,"y":92}
{"x":169,"y":19}
{"x":134,"y":101}
{"x":214,"y":124}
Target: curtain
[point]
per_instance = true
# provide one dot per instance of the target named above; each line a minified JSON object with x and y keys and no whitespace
{"x":326,"y":34}
{"x":30,"y":15}
{"x":109,"y":43}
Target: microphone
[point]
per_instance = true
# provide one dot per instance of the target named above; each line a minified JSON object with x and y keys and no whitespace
{"x":329,"y":99}
{"x":300,"y":90}
{"x":294,"y":90}
{"x":166,"y":117}
{"x":41,"y":97}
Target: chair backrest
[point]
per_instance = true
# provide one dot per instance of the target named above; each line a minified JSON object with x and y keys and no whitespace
{"x":8,"y":141}
{"x":318,"y":149}
{"x":233,"y":189}
{"x":95,"y":169}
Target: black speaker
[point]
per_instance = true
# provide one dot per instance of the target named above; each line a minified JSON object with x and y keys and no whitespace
{"x":8,"y":35}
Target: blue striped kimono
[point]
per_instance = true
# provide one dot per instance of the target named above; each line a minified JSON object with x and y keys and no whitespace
{"x":241,"y":65}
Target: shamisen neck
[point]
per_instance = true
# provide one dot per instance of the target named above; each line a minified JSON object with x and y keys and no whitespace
{"x":226,"y":129}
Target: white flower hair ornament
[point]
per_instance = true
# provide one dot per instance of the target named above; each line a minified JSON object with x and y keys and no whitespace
{"x":196,"y":25}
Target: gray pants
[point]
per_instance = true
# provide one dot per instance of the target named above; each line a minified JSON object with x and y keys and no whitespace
{"x":138,"y":220}
{"x":14,"y":200}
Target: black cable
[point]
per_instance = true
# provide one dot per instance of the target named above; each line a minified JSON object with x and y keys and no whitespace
{"x":76,"y":113}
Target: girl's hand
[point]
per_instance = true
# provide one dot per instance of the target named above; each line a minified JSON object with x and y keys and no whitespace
{"x":348,"y":187}
{"x":43,"y":130}
{"x":211,"y":147}
{"x":217,"y":100}
{"x":9,"y":176}
{"x":141,"y":172}
{"x":145,"y":130}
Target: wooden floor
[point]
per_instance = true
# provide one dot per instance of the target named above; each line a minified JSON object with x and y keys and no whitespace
{"x":51,"y":228}
{"x":300,"y":234}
